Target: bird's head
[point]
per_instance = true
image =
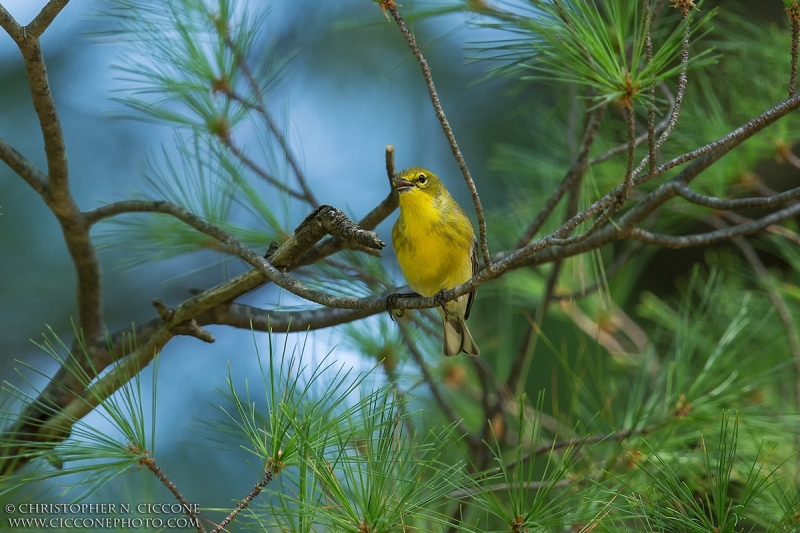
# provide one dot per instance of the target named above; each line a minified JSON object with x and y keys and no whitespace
{"x":416,"y":181}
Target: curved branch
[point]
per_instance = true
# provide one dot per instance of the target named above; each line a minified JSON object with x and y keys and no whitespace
{"x":676,"y":108}
{"x":23,"y":168}
{"x":712,"y":237}
{"x":739,"y":203}
{"x":573,"y":175}
{"x":448,"y":132}
{"x":261,"y":108}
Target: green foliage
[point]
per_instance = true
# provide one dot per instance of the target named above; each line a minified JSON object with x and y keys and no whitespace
{"x":596,"y":46}
{"x":91,"y":455}
{"x":632,"y":429}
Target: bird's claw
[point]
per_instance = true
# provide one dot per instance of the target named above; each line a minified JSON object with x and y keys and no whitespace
{"x":440,"y":300}
{"x":391,"y":304}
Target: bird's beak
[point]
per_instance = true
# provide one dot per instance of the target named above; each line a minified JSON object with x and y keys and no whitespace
{"x":402,"y":185}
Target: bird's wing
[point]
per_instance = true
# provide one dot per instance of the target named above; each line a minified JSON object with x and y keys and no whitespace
{"x":474,"y":271}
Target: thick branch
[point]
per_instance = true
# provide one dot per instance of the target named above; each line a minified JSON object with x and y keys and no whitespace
{"x":58,"y":196}
{"x":244,"y":316}
{"x":10,"y":25}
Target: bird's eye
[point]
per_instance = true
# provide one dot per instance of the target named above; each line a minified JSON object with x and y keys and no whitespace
{"x":422,"y":179}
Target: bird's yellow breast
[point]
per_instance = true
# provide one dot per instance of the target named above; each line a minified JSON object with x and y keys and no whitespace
{"x":433,"y":241}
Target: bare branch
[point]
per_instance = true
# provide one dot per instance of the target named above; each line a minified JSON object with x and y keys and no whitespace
{"x":244,"y":317}
{"x":57,"y":169}
{"x":517,"y":376}
{"x":261,"y":107}
{"x":651,"y":112}
{"x":45,"y":17}
{"x":252,"y":495}
{"x":369,"y":222}
{"x":24,"y":168}
{"x":628,"y":181}
{"x":622,"y":148}
{"x":10,"y":25}
{"x":739,"y":203}
{"x":735,"y":137}
{"x":676,"y":108}
{"x":794,"y":15}
{"x":786,"y":233}
{"x":448,"y":132}
{"x":252,"y":165}
{"x":712,"y":237}
{"x":572,"y":443}
{"x":574,"y":174}
{"x":188,"y":508}
{"x":785,"y":153}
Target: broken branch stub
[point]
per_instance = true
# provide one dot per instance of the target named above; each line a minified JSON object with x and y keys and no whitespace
{"x":324,"y":220}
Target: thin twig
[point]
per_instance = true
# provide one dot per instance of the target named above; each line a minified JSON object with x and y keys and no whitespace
{"x":252,"y":165}
{"x":711,"y":237}
{"x":794,"y":15}
{"x":628,"y":182}
{"x":572,"y":443}
{"x":622,"y":148}
{"x":574,"y":174}
{"x":252,"y":495}
{"x":785,"y":153}
{"x":391,"y":7}
{"x":651,"y":112}
{"x":786,"y":233}
{"x":188,"y":508}
{"x":272,"y":125}
{"x":390,"y":170}
{"x":682,"y":81}
{"x":518,"y":375}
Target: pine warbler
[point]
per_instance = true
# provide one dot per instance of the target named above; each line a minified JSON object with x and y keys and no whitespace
{"x":436,"y":249}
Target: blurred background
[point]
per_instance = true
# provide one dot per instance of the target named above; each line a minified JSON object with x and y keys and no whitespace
{"x":351,"y":89}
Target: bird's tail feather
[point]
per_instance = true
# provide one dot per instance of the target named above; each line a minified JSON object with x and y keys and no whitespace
{"x":457,"y":337}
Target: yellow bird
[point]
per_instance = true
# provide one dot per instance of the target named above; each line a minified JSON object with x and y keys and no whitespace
{"x":436,"y":248}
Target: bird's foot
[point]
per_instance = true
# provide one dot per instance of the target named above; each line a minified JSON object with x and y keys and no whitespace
{"x":440,"y":300}
{"x":391,"y":303}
